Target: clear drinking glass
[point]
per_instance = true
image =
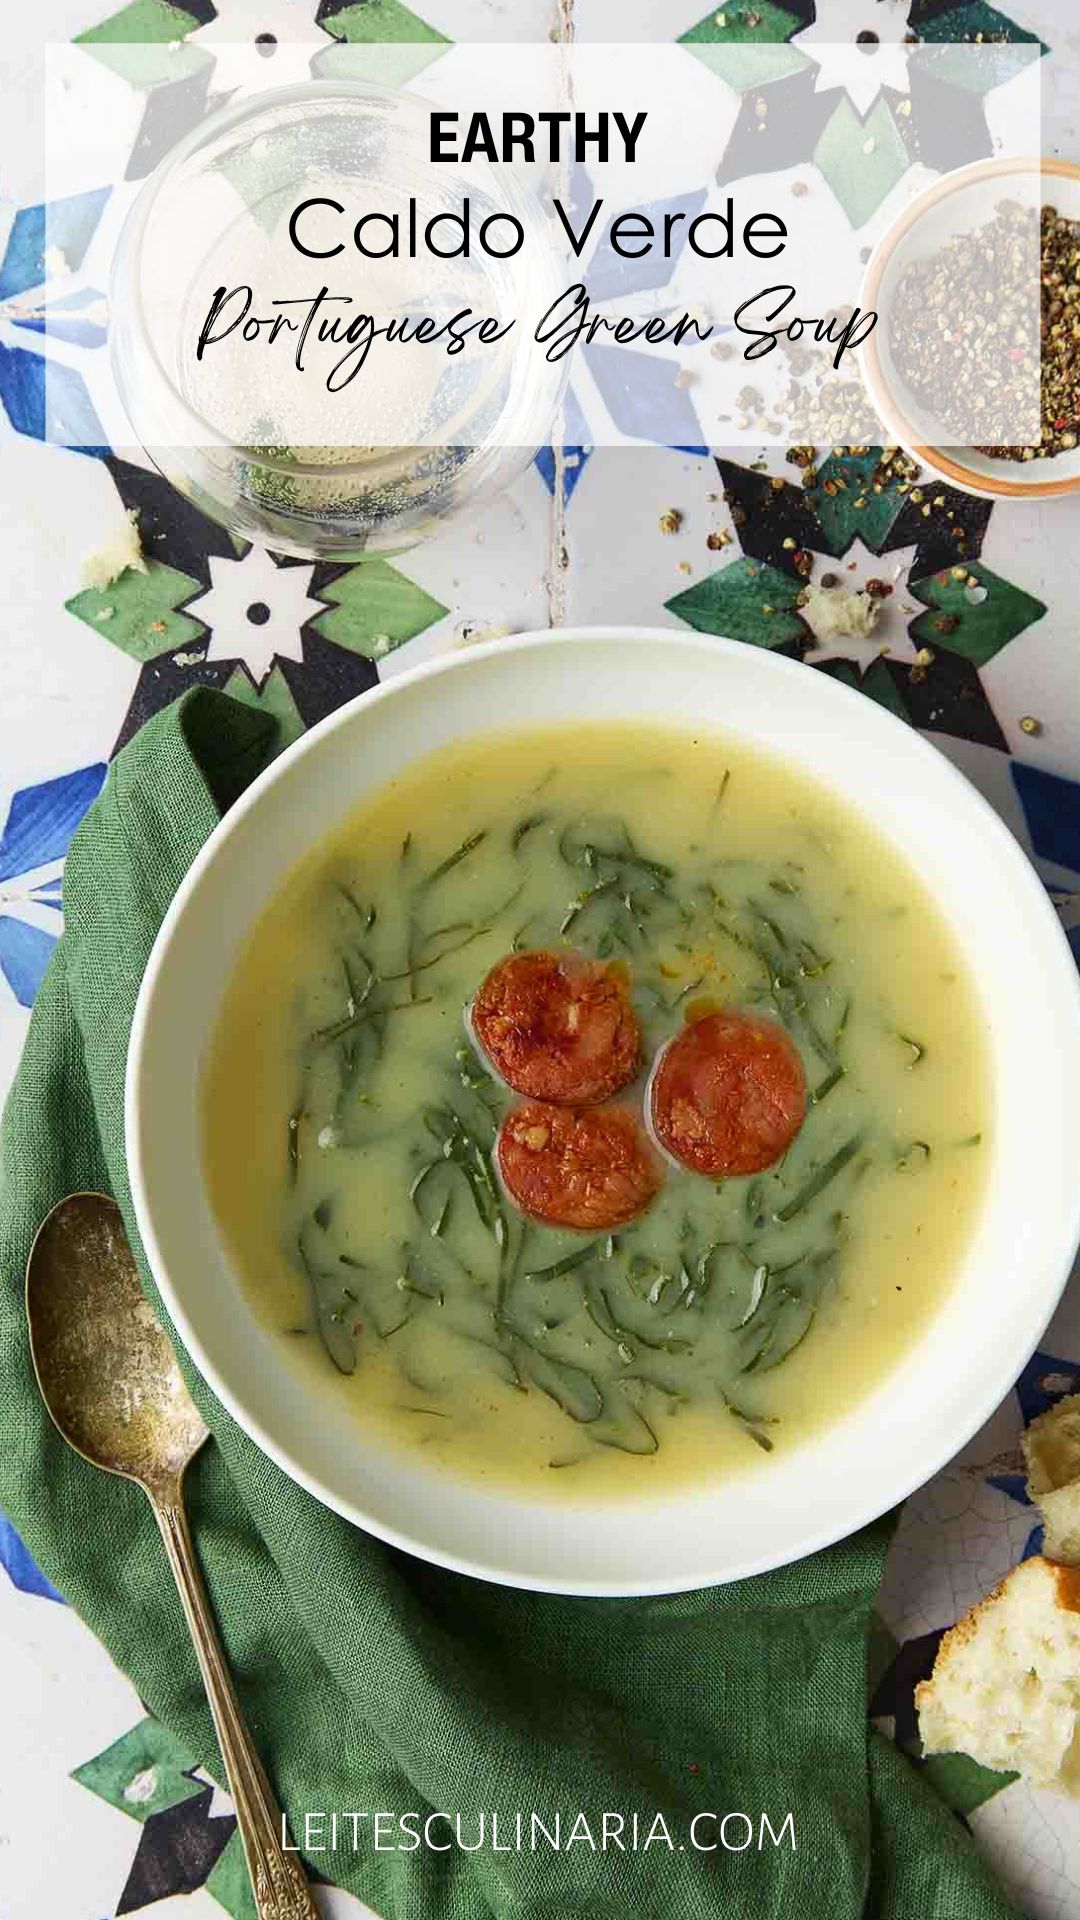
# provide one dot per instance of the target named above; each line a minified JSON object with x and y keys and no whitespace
{"x":301,"y":492}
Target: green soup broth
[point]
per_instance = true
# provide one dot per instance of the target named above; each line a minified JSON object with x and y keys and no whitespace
{"x":349,"y":1122}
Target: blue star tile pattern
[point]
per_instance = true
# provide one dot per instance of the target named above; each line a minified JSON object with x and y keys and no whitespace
{"x":639,"y":391}
{"x":68,"y":225}
{"x":74,"y":317}
{"x":611,"y":274}
{"x":1044,"y":1381}
{"x":20,"y":1568}
{"x":641,"y":395}
{"x":58,"y":409}
{"x":1052,"y":811}
{"x":1012,"y":1484}
{"x":574,"y":462}
{"x":576,"y":449}
{"x":37,"y":833}
{"x":41,"y":820}
{"x":25,"y":952}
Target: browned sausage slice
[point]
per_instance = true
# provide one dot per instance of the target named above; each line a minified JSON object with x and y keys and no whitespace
{"x":728,"y":1094}
{"x":558,"y":1027}
{"x":591,"y":1170}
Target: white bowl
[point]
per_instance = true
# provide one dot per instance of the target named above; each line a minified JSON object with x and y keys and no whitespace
{"x":961,"y":202}
{"x":990,"y":1318}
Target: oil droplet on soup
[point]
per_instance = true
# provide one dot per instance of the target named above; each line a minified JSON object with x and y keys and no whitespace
{"x":350,"y":1118}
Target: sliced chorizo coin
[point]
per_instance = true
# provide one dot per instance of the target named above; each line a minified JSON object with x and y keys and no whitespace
{"x":558,"y":1027}
{"x":728,"y":1094}
{"x":591,"y":1169}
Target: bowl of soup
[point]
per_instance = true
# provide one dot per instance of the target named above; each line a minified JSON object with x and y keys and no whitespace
{"x":603,"y":1111}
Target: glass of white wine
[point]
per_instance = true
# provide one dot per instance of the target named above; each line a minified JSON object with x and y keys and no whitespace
{"x":314,"y":446}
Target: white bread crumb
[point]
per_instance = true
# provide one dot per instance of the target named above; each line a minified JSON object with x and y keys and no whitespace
{"x":835,"y":613}
{"x":121,"y":551}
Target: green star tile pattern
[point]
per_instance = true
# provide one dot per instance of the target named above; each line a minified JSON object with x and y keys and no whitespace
{"x":962,"y":1783}
{"x":977,"y":22}
{"x":877,"y":683}
{"x":229,"y":1882}
{"x":378,"y":40}
{"x":840,"y":517}
{"x":142,"y":1773}
{"x":139,"y":44}
{"x":374,"y":21}
{"x":272,"y":697}
{"x":141,"y":612}
{"x":1007,"y":47}
{"x":734,"y":602}
{"x":390,"y":64}
{"x":374,"y":609}
{"x":882,"y":1647}
{"x":746,"y":46}
{"x":859,"y":178}
{"x":980,"y":631}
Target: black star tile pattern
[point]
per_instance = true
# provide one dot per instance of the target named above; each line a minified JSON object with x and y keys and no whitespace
{"x":177,"y":534}
{"x":951,"y":699}
{"x":170,"y":528}
{"x":894,"y":1697}
{"x":171,"y":111}
{"x":177,"y":1851}
{"x":789,"y":131}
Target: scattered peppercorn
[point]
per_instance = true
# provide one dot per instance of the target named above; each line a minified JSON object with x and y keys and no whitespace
{"x":1060,"y":333}
{"x":965,"y":322}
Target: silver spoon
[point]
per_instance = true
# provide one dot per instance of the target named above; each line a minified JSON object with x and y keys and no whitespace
{"x":109,"y":1378}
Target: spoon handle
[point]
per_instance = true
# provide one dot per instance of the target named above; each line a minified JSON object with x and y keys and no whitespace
{"x":280,"y":1888}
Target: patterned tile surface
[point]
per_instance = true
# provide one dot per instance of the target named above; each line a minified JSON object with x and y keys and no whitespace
{"x":975,"y":644}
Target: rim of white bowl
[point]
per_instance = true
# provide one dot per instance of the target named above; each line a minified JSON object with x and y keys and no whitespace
{"x":814,"y":1539}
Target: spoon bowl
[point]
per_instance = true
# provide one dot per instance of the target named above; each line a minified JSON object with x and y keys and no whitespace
{"x":107,"y":1371}
{"x":110,"y":1379}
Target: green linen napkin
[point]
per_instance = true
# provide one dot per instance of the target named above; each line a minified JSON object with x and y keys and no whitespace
{"x":374,"y":1683}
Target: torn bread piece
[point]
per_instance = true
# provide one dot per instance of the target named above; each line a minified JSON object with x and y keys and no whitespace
{"x":1006,"y":1682}
{"x":122,"y":550}
{"x":1052,"y":1451}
